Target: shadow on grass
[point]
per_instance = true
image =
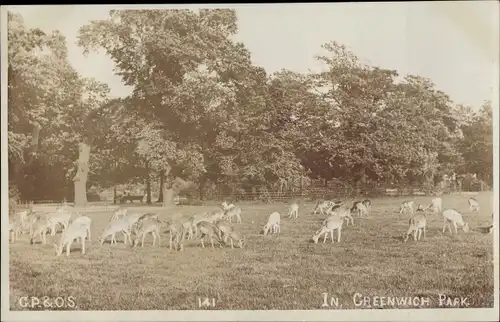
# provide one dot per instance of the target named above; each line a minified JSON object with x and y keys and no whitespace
{"x":484,"y":229}
{"x":399,"y":238}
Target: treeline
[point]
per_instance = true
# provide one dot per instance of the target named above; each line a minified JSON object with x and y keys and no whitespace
{"x":203,"y":112}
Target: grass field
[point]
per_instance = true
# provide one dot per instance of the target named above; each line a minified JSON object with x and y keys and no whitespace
{"x":271,"y":272}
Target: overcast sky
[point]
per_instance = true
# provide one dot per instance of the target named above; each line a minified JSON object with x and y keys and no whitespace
{"x":454,"y":44}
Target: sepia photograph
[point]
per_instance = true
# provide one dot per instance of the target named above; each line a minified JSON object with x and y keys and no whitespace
{"x":258,"y":162}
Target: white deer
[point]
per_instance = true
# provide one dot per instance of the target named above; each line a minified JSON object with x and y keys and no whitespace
{"x":436,"y":205}
{"x":120,"y":225}
{"x":85,"y":221}
{"x":453,"y":217}
{"x":76,"y":230}
{"x":146,"y":226}
{"x":273,"y":223}
{"x":406,"y":207}
{"x":334,"y":223}
{"x":473,"y":204}
{"x":417,"y":225}
{"x":293,"y":211}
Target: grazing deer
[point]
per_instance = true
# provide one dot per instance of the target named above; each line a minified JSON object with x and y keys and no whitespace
{"x":146,"y":226}
{"x":14,"y":230}
{"x":343,"y":211}
{"x":39,"y":228}
{"x":417,"y":225}
{"x":334,"y":223}
{"x":321,"y":207}
{"x":359,"y":208}
{"x":207,"y":229}
{"x":233,"y":212}
{"x":226,"y":206}
{"x":177,"y":234}
{"x":118,"y":213}
{"x":225,"y":232}
{"x":22,"y":217}
{"x":223,"y":229}
{"x":293,"y":211}
{"x":75,"y":230}
{"x":132,"y":220}
{"x":148,"y":215}
{"x":368,"y":205}
{"x":273,"y":224}
{"x":453,"y":217}
{"x":60,"y":217}
{"x":406,"y":207}
{"x":84,"y":221}
{"x":191,"y":224}
{"x":473,"y":205}
{"x":235,"y":236}
{"x":120,"y":225}
{"x":436,"y":205}
{"x":32,"y":218}
{"x":195,"y":219}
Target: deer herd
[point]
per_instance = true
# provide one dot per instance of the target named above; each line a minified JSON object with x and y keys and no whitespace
{"x":215,"y":226}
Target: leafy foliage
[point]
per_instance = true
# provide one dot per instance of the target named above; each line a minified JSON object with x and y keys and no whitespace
{"x":202,"y":111}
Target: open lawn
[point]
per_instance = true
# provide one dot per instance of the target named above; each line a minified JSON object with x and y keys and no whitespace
{"x":270,"y":272}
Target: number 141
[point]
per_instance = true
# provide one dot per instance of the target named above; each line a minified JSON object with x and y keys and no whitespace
{"x":206,"y":302}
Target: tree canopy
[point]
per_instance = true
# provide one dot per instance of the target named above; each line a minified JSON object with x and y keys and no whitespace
{"x":202,"y":111}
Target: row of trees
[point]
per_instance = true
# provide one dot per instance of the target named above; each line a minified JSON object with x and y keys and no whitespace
{"x":201,"y":111}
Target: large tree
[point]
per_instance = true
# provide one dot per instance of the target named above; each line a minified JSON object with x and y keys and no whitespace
{"x":47,"y":102}
{"x":184,"y":69}
{"x":477,"y":143}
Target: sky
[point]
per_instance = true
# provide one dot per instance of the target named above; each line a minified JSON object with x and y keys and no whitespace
{"x":455,"y":44}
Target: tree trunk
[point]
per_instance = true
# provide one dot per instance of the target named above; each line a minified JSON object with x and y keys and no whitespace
{"x":35,"y":136}
{"x":148,"y":183}
{"x":201,"y":187}
{"x":361,"y":182}
{"x":114,"y":195}
{"x":168,"y":195}
{"x":160,"y":197}
{"x":81,"y":175}
{"x":301,"y":187}
{"x":170,"y":191}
